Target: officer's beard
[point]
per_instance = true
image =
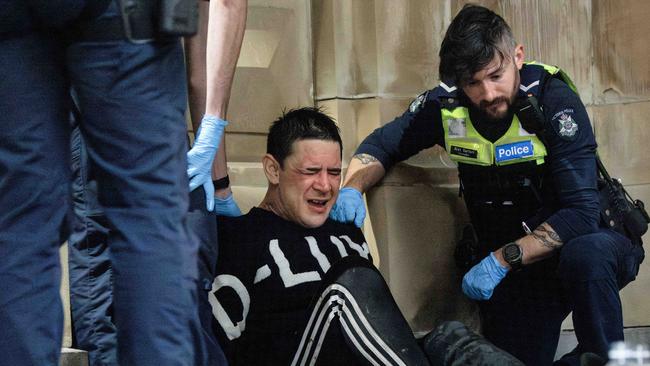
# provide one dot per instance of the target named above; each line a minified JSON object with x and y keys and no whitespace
{"x":488,"y":114}
{"x":487,"y":111}
{"x":483,"y":112}
{"x":490,"y":125}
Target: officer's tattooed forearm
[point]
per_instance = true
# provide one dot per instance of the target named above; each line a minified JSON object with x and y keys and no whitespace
{"x":546,"y":236}
{"x":365,"y":159}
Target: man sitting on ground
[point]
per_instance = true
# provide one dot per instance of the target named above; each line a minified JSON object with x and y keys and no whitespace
{"x":294,"y":287}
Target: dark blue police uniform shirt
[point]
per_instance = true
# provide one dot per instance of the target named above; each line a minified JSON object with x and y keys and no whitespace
{"x":570,"y":143}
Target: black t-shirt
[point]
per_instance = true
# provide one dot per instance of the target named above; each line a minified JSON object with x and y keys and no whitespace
{"x":269,"y":274}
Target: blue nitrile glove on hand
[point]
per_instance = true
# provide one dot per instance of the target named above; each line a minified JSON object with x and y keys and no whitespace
{"x":226,"y":206}
{"x":200,"y":157}
{"x":480,"y":281}
{"x":349,"y":207}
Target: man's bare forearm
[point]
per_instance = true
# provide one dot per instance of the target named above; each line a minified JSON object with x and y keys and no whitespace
{"x":195,"y":64}
{"x":225,"y":34}
{"x":226,"y":26}
{"x":363,"y":172}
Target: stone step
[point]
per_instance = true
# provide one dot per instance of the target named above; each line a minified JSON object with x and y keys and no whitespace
{"x":73,"y":357}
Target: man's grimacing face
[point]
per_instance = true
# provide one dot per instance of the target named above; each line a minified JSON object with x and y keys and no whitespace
{"x":494,"y":88}
{"x":309,"y":182}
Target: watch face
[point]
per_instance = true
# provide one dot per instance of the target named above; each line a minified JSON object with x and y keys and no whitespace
{"x":511,"y":252}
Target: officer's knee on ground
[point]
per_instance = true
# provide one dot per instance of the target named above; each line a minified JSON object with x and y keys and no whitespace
{"x":588,"y":257}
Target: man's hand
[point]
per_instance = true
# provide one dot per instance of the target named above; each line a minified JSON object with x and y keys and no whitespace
{"x":226,"y":206}
{"x":200,"y":157}
{"x":349,"y":207}
{"x":480,"y":281}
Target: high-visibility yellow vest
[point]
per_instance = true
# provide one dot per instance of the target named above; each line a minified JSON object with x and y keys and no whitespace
{"x":465,"y":145}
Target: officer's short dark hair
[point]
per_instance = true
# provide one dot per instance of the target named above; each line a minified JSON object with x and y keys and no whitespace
{"x":300,"y":124}
{"x":473,"y":38}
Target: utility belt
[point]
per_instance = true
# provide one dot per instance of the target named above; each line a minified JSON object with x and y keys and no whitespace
{"x":140,"y":21}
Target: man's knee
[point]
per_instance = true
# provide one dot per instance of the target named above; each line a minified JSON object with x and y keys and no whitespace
{"x":357,"y":275}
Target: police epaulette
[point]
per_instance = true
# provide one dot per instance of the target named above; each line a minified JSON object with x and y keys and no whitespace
{"x":532,"y":78}
{"x":446,"y":94}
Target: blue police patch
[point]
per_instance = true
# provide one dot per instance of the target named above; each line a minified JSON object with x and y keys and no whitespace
{"x":565,"y":125}
{"x":516,"y":150}
{"x":568,"y":127}
{"x":418,"y":102}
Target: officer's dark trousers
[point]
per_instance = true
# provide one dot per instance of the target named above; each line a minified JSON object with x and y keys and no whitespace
{"x":91,"y":273}
{"x":91,"y":285}
{"x":525,"y":314}
{"x":132,"y":99}
{"x":203,"y":225}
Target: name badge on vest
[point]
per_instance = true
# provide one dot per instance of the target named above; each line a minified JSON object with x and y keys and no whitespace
{"x":462,"y":151}
{"x":516,"y":150}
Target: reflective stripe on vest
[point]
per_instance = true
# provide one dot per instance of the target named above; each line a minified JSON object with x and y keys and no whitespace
{"x":465,"y":145}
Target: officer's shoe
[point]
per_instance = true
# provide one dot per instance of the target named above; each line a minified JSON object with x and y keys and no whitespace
{"x":575,"y":357}
{"x":591,"y":359}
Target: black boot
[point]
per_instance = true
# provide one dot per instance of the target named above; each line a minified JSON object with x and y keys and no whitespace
{"x":453,"y":344}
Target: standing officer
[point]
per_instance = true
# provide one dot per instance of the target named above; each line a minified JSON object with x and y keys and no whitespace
{"x":513,"y":179}
{"x":126,"y":66}
{"x":91,"y":293}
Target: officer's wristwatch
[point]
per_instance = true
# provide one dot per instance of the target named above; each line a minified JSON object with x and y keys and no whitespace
{"x":513,"y":254}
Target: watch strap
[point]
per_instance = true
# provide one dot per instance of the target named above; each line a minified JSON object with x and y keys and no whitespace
{"x":221,"y":183}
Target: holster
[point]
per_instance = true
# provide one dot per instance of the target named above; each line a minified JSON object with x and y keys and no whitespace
{"x":620,"y":212}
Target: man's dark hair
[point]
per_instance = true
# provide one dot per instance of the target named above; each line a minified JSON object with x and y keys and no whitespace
{"x":300,"y":124}
{"x":473,"y":38}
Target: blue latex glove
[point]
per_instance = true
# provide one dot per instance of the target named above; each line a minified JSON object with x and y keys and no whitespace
{"x":349,"y":207}
{"x":200,"y":157}
{"x":226,"y":206}
{"x":480,"y":281}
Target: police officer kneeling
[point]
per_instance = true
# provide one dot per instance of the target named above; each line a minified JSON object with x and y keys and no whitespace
{"x":514,"y":178}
